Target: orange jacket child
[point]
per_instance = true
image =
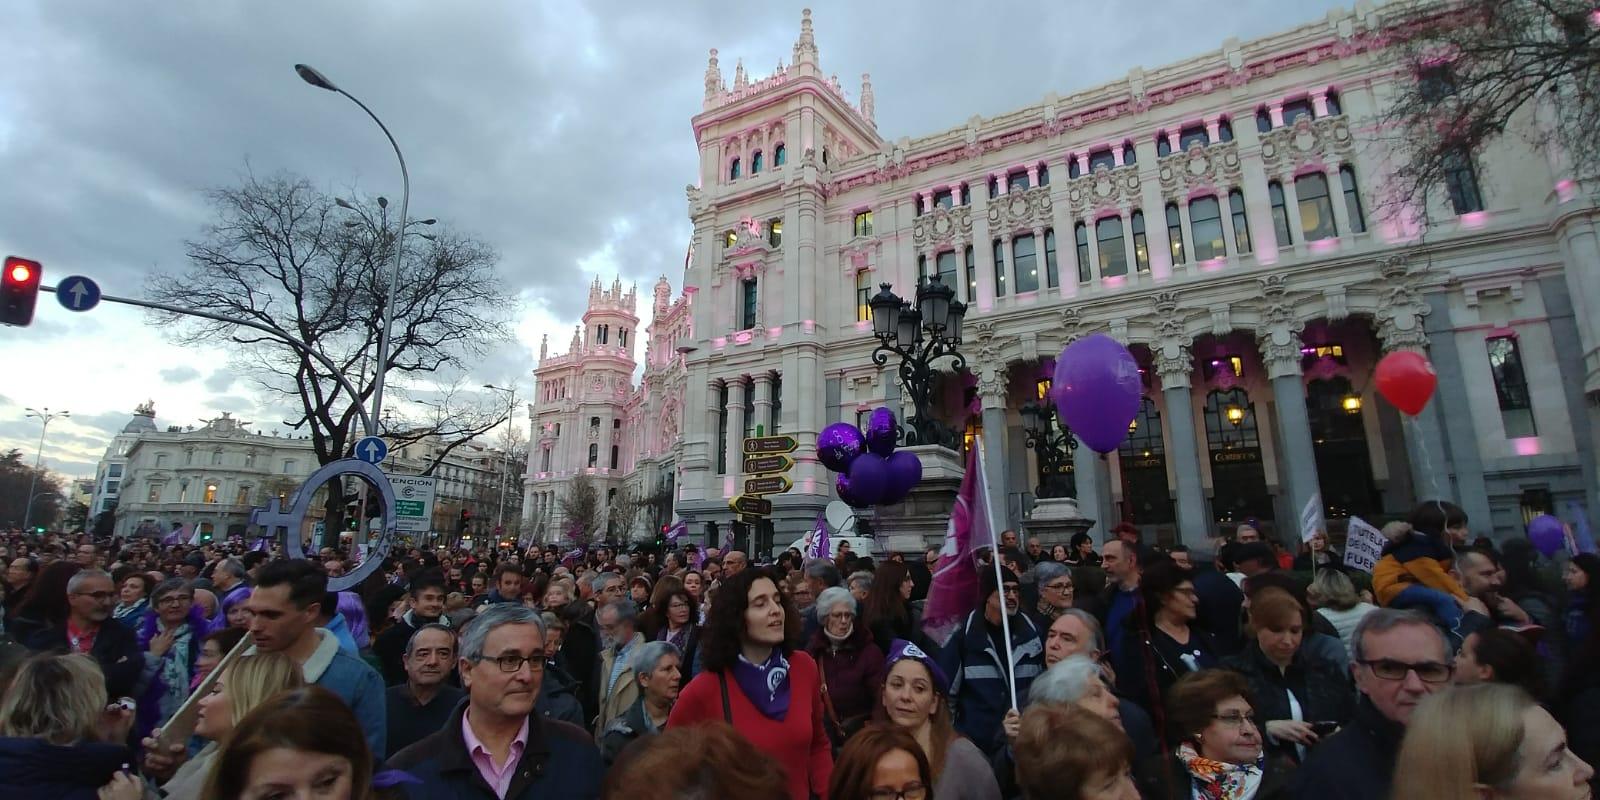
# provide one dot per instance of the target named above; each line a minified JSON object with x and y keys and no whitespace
{"x":1413,"y":558}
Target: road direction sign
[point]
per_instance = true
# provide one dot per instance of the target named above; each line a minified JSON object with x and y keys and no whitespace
{"x":767,"y":445}
{"x":413,"y":503}
{"x":773,"y":484}
{"x":372,"y":449}
{"x":767,"y":465}
{"x":77,"y":293}
{"x":754,"y":506}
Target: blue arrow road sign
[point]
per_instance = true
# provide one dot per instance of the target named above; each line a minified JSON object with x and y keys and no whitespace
{"x":77,"y":293}
{"x":372,"y":450}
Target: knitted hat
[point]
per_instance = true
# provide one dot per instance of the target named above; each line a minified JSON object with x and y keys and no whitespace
{"x":987,"y":581}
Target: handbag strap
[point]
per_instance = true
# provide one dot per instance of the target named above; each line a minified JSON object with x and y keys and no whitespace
{"x":727,"y":710}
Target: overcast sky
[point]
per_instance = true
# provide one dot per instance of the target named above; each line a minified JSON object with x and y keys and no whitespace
{"x":558,"y":132}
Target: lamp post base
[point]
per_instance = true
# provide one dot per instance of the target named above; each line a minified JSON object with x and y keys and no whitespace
{"x":922,"y":519}
{"x":1055,"y":520}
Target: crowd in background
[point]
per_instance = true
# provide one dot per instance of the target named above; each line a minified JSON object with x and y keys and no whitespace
{"x":1455,"y":669}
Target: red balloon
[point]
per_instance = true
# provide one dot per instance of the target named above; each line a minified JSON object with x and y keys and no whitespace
{"x":1407,"y":381}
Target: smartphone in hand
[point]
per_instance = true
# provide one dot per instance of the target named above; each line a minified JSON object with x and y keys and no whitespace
{"x":1322,"y":729}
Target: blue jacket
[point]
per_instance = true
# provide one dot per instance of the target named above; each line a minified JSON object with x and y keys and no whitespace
{"x":978,"y":676}
{"x":340,"y":628}
{"x":356,"y":682}
{"x":560,"y":761}
{"x":32,"y":769}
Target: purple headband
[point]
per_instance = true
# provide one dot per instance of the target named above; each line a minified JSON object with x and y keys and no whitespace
{"x":900,"y":650}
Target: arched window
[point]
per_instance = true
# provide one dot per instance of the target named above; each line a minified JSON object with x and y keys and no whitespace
{"x":1144,"y":435}
{"x":1194,"y":134}
{"x":1113,"y":257}
{"x":1129,"y":157}
{"x":1316,"y":207}
{"x":1280,"y":214}
{"x":1225,"y":130}
{"x":1263,"y":120}
{"x":594,"y":455}
{"x":1231,"y":420}
{"x":1044,"y":174}
{"x":1141,"y":246}
{"x":1080,"y":233}
{"x":616,"y":452}
{"x":1241,"y":223}
{"x":779,"y":156}
{"x":1175,"y":233}
{"x":1334,"y":109}
{"x":733,"y":172}
{"x":1163,"y":145}
{"x":1205,"y":219}
{"x":755,"y":163}
{"x":1072,"y":167}
{"x":1352,"y":199}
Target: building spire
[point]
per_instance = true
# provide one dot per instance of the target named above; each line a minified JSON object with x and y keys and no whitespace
{"x":805,"y":48}
{"x":713,"y":76}
{"x":740,"y":79}
{"x":577,"y":339}
{"x":867,"y":101}
{"x":544,"y":346}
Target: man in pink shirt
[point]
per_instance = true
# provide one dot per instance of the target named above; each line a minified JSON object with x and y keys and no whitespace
{"x":495,"y":746}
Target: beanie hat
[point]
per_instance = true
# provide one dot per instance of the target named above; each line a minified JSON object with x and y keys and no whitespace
{"x":988,"y":584}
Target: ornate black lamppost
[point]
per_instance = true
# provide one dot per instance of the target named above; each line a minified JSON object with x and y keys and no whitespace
{"x":920,"y":336}
{"x":1052,"y":443}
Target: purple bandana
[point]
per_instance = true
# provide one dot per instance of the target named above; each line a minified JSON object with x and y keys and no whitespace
{"x":765,"y":684}
{"x":900,"y":650}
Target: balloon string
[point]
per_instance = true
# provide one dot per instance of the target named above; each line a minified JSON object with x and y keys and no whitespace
{"x":1427,"y":462}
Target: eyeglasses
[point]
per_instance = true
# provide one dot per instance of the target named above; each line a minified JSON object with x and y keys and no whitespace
{"x":1059,"y":586}
{"x":841,"y":616}
{"x":915,"y":791}
{"x":1235,"y":720}
{"x":175,"y":599}
{"x":511,"y":662}
{"x":1427,"y":671}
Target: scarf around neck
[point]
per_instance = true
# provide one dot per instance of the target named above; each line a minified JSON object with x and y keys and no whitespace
{"x":1217,"y":780}
{"x":765,"y":684}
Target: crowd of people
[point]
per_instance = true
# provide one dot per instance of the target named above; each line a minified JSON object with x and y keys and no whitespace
{"x":1093,"y":671}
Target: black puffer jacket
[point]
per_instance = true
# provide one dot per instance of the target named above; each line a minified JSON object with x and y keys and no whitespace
{"x":32,"y":769}
{"x":1323,"y":693}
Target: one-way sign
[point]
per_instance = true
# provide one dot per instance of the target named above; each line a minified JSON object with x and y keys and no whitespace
{"x":77,"y":293}
{"x":372,"y":449}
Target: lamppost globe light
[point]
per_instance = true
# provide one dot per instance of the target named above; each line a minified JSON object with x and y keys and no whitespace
{"x":310,"y":75}
{"x":343,"y":203}
{"x":909,"y":331}
{"x":885,"y":312}
{"x":933,"y":301}
{"x":1030,"y":417}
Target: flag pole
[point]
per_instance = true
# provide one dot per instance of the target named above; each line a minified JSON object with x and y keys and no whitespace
{"x":999,"y":578}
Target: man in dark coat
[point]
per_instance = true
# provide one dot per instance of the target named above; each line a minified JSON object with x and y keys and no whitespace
{"x":427,"y":608}
{"x":89,"y":630}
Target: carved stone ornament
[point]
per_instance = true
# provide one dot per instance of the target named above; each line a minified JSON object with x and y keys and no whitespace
{"x":942,"y":226}
{"x":750,"y":238}
{"x":1200,"y":167}
{"x":987,"y":350}
{"x":1072,"y":325}
{"x":1021,"y":211}
{"x":1401,"y":308}
{"x":1311,"y":142}
{"x":993,"y":383}
{"x":1278,"y":328}
{"x":1104,"y":188}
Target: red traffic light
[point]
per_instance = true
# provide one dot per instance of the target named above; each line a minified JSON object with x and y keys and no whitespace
{"x":19,"y":290}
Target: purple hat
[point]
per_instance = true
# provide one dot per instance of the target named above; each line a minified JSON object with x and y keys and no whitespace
{"x":900,"y":650}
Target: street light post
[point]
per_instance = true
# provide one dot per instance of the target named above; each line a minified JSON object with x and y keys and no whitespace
{"x":1052,"y":443}
{"x":920,"y":335}
{"x":511,"y":410}
{"x":317,"y":79}
{"x":44,"y":415}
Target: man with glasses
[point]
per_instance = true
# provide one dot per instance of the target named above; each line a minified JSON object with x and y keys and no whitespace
{"x":975,"y":655}
{"x":90,"y":598}
{"x":618,"y":690}
{"x":1399,"y":657}
{"x":495,"y":746}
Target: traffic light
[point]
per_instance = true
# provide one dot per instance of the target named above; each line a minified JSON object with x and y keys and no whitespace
{"x":19,"y":290}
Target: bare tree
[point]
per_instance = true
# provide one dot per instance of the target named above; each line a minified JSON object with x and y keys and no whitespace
{"x":1473,"y":70}
{"x":580,"y":509}
{"x":623,"y":514}
{"x":16,"y":478}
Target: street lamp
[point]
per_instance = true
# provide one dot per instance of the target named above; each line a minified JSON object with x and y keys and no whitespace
{"x":920,"y":335}
{"x":505,"y":469}
{"x":317,"y":79}
{"x":44,"y":416}
{"x":1051,"y":442}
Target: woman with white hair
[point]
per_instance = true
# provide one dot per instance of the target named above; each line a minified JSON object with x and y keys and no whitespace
{"x":852,"y":664}
{"x":658,"y":668}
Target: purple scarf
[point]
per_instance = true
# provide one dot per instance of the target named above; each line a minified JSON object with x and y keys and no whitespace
{"x":766,"y":684}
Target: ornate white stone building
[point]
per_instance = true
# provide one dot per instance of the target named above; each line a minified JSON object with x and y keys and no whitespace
{"x":1225,"y":217}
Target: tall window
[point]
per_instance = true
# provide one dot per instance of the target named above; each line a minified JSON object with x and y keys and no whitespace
{"x":966,"y":195}
{"x":1051,"y":273}
{"x":1072,"y":167}
{"x":1280,"y":214}
{"x":250,"y":458}
{"x":733,"y":175}
{"x":1352,"y":198}
{"x":1141,"y":246}
{"x":1175,"y":233}
{"x":1462,"y":181}
{"x":775,"y":231}
{"x":863,"y":223}
{"x":778,"y":156}
{"x":622,"y":337}
{"x":755,"y":163}
{"x":945,"y":262}
{"x":722,"y":429}
{"x":1263,"y":120}
{"x":616,"y":452}
{"x":544,"y":461}
{"x":1129,"y":157}
{"x":599,"y":334}
{"x":972,"y":275}
{"x":777,"y":404}
{"x":1225,"y":130}
{"x":211,"y":494}
{"x":155,"y":493}
{"x":1195,"y":134}
{"x":1044,"y":174}
{"x":1334,"y":109}
{"x":749,"y":408}
{"x":747,"y":304}
{"x":1113,"y":258}
{"x":594,"y":455}
{"x":1163,"y":145}
{"x":1017,"y":181}
{"x":1511,"y":386}
{"x":944,"y":198}
{"x":1241,"y":223}
{"x":594,"y":426}
{"x":863,"y":296}
{"x":1023,"y":252}
{"x":1080,"y":233}
{"x":1102,"y":158}
{"x":1205,"y":219}
{"x":1297,"y":109}
{"x":1316,"y":207}
{"x":999,"y":268}
{"x":216,"y":458}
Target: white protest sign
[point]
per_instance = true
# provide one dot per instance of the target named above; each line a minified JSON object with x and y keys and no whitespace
{"x":413,"y":503}
{"x":1311,"y":522}
{"x":1363,"y":545}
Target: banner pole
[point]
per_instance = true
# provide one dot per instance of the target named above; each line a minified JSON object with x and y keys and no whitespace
{"x":994,"y":540}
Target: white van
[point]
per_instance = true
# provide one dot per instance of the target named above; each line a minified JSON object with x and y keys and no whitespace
{"x":859,"y":545}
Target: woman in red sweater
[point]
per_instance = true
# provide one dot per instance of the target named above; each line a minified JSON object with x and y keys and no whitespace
{"x":756,"y":680}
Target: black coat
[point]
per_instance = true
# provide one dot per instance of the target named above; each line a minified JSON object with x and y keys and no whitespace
{"x":1164,"y":778}
{"x":31,"y":769}
{"x":1356,"y":763}
{"x":1325,"y":695}
{"x":560,"y":760}
{"x":1218,"y":604}
{"x":116,"y":650}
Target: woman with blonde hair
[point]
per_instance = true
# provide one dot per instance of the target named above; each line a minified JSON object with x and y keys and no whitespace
{"x":301,"y":743}
{"x":58,"y":738}
{"x":245,"y":685}
{"x":1485,"y":742}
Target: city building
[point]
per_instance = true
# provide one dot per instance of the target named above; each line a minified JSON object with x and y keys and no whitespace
{"x":1226,"y":217}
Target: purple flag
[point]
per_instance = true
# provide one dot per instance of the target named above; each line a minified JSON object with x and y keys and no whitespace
{"x":954,"y":591}
{"x":816,"y":543}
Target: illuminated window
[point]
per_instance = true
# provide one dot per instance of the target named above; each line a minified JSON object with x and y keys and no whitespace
{"x":1241,"y":223}
{"x":1051,"y":277}
{"x":1175,"y":233}
{"x":1316,"y":207}
{"x":863,"y":223}
{"x":863,"y":296}
{"x":1280,"y":214}
{"x":243,"y":499}
{"x":729,"y":238}
{"x":775,"y":231}
{"x":211,"y":494}
{"x":1141,"y":246}
{"x":1080,"y":232}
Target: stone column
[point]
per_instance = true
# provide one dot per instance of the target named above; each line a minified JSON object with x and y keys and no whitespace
{"x":1341,"y":212}
{"x":1280,"y":351}
{"x":734,"y":428}
{"x":1091,"y":475}
{"x":1291,"y":204}
{"x":1173,"y":364}
{"x":763,"y":401}
{"x":1400,"y":328}
{"x":992,"y":390}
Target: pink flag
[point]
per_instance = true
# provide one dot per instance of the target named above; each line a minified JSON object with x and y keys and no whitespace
{"x":954,"y":592}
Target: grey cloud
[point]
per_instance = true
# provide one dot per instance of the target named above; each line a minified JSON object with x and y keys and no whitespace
{"x":220,"y":381}
{"x":182,"y":374}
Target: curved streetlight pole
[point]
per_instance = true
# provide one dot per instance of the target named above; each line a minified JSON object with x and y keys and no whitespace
{"x":44,"y":415}
{"x":317,"y":79}
{"x":505,"y":457}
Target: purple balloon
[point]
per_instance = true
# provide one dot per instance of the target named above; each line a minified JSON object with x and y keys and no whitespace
{"x":881,"y":432}
{"x":1097,"y":390}
{"x":842,"y":484}
{"x":905,"y":471}
{"x":1547,"y":534}
{"x":869,"y":478}
{"x":838,"y":445}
